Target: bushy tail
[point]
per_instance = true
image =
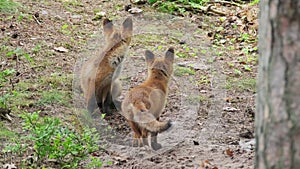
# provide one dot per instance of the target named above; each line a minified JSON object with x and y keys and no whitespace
{"x":149,"y":122}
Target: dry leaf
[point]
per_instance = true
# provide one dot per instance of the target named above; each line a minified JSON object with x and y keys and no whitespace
{"x":202,"y":164}
{"x":61,"y":49}
{"x":9,"y":166}
{"x":135,"y":10}
{"x":230,"y":109}
{"x":229,"y":152}
{"x":207,"y":162}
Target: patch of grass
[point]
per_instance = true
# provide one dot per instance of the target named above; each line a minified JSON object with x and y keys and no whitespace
{"x":183,"y":71}
{"x":54,"y":96}
{"x":56,"y":80}
{"x":19,"y":99}
{"x":26,"y":93}
{"x":72,"y":3}
{"x":195,"y":99}
{"x":180,"y":6}
{"x":149,"y":39}
{"x":5,"y":133}
{"x":203,"y":80}
{"x":241,"y":84}
{"x":8,"y":6}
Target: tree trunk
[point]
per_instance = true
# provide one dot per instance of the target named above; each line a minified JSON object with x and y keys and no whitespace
{"x":278,"y":98}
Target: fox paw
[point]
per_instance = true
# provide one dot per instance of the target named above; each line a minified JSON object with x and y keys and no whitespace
{"x":156,"y":146}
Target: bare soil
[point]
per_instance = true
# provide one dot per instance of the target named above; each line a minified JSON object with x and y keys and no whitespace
{"x":211,"y":109}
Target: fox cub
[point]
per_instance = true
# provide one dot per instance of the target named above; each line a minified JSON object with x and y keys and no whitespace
{"x":143,"y":104}
{"x":99,"y":75}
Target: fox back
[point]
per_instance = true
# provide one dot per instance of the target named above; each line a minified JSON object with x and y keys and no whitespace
{"x":99,"y":75}
{"x":143,"y":104}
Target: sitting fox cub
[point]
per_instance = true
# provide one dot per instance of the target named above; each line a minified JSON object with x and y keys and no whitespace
{"x":99,"y":75}
{"x":143,"y":104}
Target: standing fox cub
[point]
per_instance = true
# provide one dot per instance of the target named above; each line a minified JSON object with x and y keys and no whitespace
{"x":143,"y":104}
{"x":99,"y":75}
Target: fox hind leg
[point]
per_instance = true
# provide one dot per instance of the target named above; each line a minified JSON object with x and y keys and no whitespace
{"x":145,"y":137}
{"x":107,"y":103}
{"x":116,"y":92}
{"x":154,"y":144}
{"x":136,"y":134}
{"x":91,"y":105}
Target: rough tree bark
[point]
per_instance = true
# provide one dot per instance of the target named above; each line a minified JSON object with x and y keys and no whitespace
{"x":278,"y":98}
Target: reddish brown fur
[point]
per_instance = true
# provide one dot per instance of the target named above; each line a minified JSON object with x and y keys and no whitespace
{"x":99,"y":75}
{"x":143,"y":104}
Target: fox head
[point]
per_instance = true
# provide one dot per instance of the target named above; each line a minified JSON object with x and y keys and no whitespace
{"x":115,"y":36}
{"x":160,"y":65}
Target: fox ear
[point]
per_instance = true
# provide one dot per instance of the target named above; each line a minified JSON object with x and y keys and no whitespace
{"x":108,"y":27}
{"x":127,"y":27}
{"x":170,"y":55}
{"x":149,"y":57}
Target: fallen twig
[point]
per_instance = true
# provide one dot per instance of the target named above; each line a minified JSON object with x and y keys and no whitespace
{"x":226,"y":2}
{"x":36,"y":19}
{"x":209,"y":8}
{"x":205,"y":9}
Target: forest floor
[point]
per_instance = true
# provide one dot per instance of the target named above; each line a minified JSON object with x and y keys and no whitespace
{"x":211,"y":99}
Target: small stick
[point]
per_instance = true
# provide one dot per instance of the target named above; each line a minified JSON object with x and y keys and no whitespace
{"x":227,"y":2}
{"x":37,"y":21}
{"x":209,"y":8}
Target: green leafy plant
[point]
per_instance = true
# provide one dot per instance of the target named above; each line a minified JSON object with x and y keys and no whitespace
{"x":4,"y":74}
{"x":3,"y":101}
{"x":53,"y":96}
{"x":237,"y":72}
{"x":19,"y":52}
{"x":244,"y":37}
{"x":182,"y":71}
{"x":247,"y":68}
{"x":67,"y":29}
{"x":36,"y":49}
{"x":51,"y":139}
{"x":254,"y":2}
{"x":203,"y":80}
{"x":182,"y":54}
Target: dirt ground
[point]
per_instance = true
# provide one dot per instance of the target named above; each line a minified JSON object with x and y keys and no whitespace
{"x":211,"y":95}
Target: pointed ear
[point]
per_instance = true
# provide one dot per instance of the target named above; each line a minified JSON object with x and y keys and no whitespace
{"x":170,"y":55}
{"x":108,"y":27}
{"x":149,"y":57}
{"x":127,"y":27}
